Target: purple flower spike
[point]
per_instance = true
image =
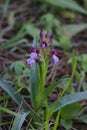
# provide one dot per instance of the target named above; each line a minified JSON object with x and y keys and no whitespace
{"x":38,"y":54}
{"x":44,"y":44}
{"x":45,"y":39}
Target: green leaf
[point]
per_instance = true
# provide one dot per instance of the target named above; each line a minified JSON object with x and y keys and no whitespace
{"x":42,"y":96}
{"x":26,"y":72}
{"x":67,"y":124}
{"x":14,"y":95}
{"x":84,"y":62}
{"x":84,"y":66}
{"x":69,"y":4}
{"x":31,"y":30}
{"x":68,"y":99}
{"x":74,"y":66}
{"x":19,"y":120}
{"x":70,"y":111}
{"x":71,"y":30}
{"x":34,"y":83}
{"x":18,"y":67}
{"x":65,"y":42}
{"x":83,"y":59}
{"x":49,"y":20}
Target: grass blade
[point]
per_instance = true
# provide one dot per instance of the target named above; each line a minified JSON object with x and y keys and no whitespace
{"x":8,"y":111}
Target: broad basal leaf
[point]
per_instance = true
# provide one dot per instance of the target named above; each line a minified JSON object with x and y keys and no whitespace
{"x":71,"y":111}
{"x":68,"y":99}
{"x":67,"y":124}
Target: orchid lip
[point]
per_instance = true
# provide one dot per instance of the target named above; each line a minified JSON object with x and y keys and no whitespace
{"x":44,"y":44}
{"x":55,"y":59}
{"x":30,"y":61}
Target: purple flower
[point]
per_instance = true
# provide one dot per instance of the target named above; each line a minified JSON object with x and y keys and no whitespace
{"x":44,"y":44}
{"x":34,"y":49}
{"x":54,"y":55}
{"x":34,"y":55}
{"x":45,"y":39}
{"x":31,"y":61}
{"x":55,"y":59}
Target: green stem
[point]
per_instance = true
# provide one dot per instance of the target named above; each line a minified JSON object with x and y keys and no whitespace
{"x":57,"y":120}
{"x":43,"y":70}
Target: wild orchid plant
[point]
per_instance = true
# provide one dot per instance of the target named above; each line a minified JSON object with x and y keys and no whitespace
{"x":39,"y":55}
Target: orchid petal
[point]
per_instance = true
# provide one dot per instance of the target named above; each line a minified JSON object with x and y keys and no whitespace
{"x":55,"y":59}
